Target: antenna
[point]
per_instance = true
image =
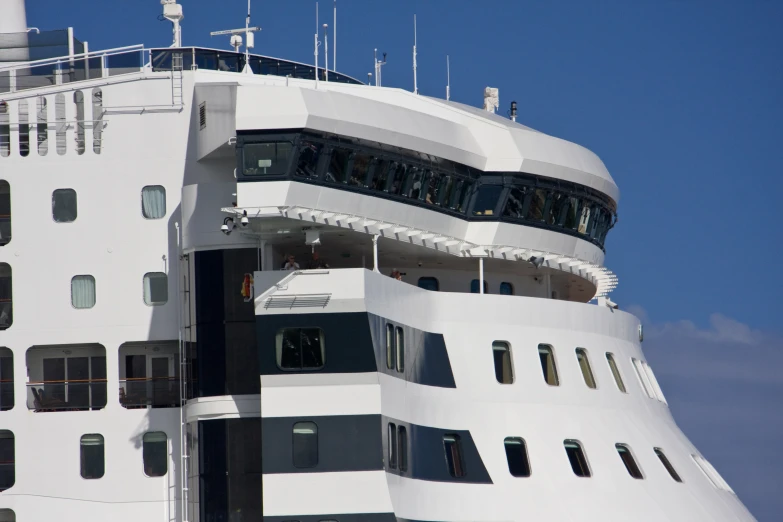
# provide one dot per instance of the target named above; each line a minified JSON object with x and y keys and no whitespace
{"x":415,"y":83}
{"x":378,"y":65}
{"x":448,"y":79}
{"x":236,"y":39}
{"x":172,"y":12}
{"x":315,"y":45}
{"x":334,"y":38}
{"x":326,"y":53}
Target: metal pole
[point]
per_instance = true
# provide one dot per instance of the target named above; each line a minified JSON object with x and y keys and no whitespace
{"x":481,"y":275}
{"x":375,"y":253}
{"x":415,"y":82}
{"x":315,"y":52}
{"x":326,"y":53}
{"x":334,"y":38}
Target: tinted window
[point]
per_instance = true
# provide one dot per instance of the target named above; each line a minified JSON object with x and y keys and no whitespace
{"x":547,"y":357}
{"x":307,"y":163}
{"x":359,"y":169}
{"x":487,"y":200}
{"x":428,"y":283}
{"x":504,"y":373}
{"x":92,"y":459}
{"x":305,"y":445}
{"x":392,"y":445}
{"x":400,"y":348}
{"x":667,"y":464}
{"x":64,"y":205}
{"x":453,"y":447}
{"x":390,"y":355}
{"x":615,"y":372}
{"x":337,"y":171}
{"x":7,"y":460}
{"x":576,"y":457}
{"x":156,"y":288}
{"x":155,"y":450}
{"x":402,"y":439}
{"x":267,"y":159}
{"x":518,"y":202}
{"x":153,"y":202}
{"x":584,"y":365}
{"x":433,"y":188}
{"x":474,"y":287}
{"x":630,"y":463}
{"x":300,"y":348}
{"x":506,"y":289}
{"x":380,"y":175}
{"x":516,"y":455}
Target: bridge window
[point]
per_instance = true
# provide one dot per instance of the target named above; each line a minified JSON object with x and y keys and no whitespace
{"x":64,"y":208}
{"x":584,"y":365}
{"x":360,"y":168}
{"x":6,"y":297}
{"x":309,"y":158}
{"x":504,"y":372}
{"x":83,"y":291}
{"x":300,"y":349}
{"x":305,"y":445}
{"x":92,"y":456}
{"x":267,"y":159}
{"x":155,"y":453}
{"x":7,"y":460}
{"x":516,"y":455}
{"x":429,"y":283}
{"x":339,"y":164}
{"x":487,"y":200}
{"x":547,"y":356}
{"x":5,"y":212}
{"x":576,"y":456}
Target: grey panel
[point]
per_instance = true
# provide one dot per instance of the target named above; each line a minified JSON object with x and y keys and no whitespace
{"x":345,"y":517}
{"x":345,"y":443}
{"x":427,"y":454}
{"x":347,"y":339}
{"x":426,"y":357}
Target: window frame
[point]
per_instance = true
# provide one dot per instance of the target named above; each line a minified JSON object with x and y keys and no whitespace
{"x":301,"y":368}
{"x":402,"y":448}
{"x":506,"y":355}
{"x":629,"y":460}
{"x":313,"y":437}
{"x":391,"y":347}
{"x":75,"y":204}
{"x":165,"y":202}
{"x":553,"y":359}
{"x":455,"y":460}
{"x":615,"y":370}
{"x":392,"y":452}
{"x":145,"y":449}
{"x":667,"y":464}
{"x":152,"y":303}
{"x":583,"y":463}
{"x":586,"y":369}
{"x":82,"y":457}
{"x":507,"y":442}
{"x":95,"y":290}
{"x":399,"y":348}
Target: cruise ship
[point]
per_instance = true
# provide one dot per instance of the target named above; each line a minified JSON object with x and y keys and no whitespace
{"x":240,"y":288}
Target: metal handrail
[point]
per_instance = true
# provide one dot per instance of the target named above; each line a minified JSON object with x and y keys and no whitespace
{"x":68,"y":58}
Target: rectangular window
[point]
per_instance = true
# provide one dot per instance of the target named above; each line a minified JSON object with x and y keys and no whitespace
{"x":267,"y":159}
{"x":381,"y":174}
{"x":654,"y":383}
{"x":83,"y":291}
{"x":359,"y":169}
{"x":92,"y":459}
{"x":402,"y":440}
{"x":64,"y":205}
{"x":487,"y":200}
{"x":474,"y":287}
{"x":547,"y":356}
{"x":6,"y":296}
{"x":6,"y":379}
{"x":644,"y":380}
{"x":5,"y":212}
{"x":300,"y":349}
{"x":309,"y":156}
{"x":337,"y":171}
{"x":400,"y":349}
{"x":506,"y":288}
{"x":155,"y":453}
{"x":156,"y":288}
{"x":501,"y":352}
{"x":576,"y":457}
{"x":392,"y":446}
{"x":584,"y":365}
{"x":516,"y":455}
{"x":397,"y":177}
{"x":536,"y":210}
{"x":666,"y":464}
{"x":390,"y":355}
{"x":429,"y":283}
{"x":615,"y":372}
{"x":630,"y":463}
{"x":451,"y":443}
{"x":7,"y":460}
{"x":305,"y":445}
{"x":153,"y":201}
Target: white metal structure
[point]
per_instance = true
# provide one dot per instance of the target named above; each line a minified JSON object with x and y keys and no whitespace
{"x":156,"y":367}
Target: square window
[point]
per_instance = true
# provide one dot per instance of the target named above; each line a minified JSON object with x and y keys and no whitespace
{"x":156,"y":288}
{"x":64,"y":205}
{"x":83,"y":291}
{"x":153,"y":201}
{"x":300,"y":349}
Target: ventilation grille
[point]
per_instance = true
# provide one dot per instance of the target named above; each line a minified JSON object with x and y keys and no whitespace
{"x":202,"y":115}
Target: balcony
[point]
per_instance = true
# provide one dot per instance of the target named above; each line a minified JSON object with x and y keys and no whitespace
{"x":160,"y":392}
{"x":66,"y":378}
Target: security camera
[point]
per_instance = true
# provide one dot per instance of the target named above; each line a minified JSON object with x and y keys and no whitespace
{"x":244,"y":221}
{"x":225,"y":229}
{"x":228,"y":226}
{"x":420,"y":263}
{"x":536,"y":261}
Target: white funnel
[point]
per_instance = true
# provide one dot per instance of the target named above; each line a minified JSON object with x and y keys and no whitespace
{"x":13,"y":19}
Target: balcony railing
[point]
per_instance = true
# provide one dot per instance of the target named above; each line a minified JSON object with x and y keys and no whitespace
{"x":70,"y":395}
{"x":160,"y":392}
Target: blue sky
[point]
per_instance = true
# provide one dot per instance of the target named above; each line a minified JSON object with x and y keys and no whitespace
{"x":682,"y":99}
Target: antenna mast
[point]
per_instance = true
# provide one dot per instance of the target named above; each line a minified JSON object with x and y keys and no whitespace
{"x":236,"y":39}
{"x":172,"y":12}
{"x":378,"y":65}
{"x":334,"y":38}
{"x":448,"y":79}
{"x":415,"y":82}
{"x":315,"y":45}
{"x":326,"y":53}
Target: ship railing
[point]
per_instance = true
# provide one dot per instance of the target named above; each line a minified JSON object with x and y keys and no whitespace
{"x":146,"y":392}
{"x":69,"y":69}
{"x":66,"y":395}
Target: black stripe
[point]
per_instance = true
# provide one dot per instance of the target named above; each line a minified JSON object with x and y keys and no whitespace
{"x":344,"y":517}
{"x":345,"y":443}
{"x":427,"y":454}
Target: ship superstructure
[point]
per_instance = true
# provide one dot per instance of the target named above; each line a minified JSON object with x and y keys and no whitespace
{"x":235,"y":296}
